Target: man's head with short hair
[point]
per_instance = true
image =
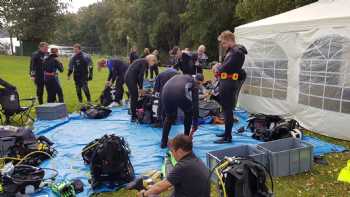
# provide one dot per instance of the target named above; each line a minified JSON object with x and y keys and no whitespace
{"x":181,"y":146}
{"x":76,"y":48}
{"x":44,"y":47}
{"x":227,"y":39}
{"x":102,"y":63}
{"x":54,"y":51}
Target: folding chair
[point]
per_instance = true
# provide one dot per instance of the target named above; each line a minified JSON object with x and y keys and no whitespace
{"x":11,"y":107}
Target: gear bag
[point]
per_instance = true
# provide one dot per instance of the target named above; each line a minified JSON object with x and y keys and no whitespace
{"x":208,"y":108}
{"x":109,"y":95}
{"x":144,"y":112}
{"x":109,"y":161}
{"x":18,"y":143}
{"x":271,"y":127}
{"x":95,"y":111}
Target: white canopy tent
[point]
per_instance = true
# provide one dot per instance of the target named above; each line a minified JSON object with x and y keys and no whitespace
{"x":298,"y":64}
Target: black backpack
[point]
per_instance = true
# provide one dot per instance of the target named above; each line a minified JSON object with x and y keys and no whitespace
{"x":19,"y":142}
{"x":246,"y":178}
{"x":145,"y":110}
{"x":95,"y":111}
{"x":271,"y":127}
{"x":109,"y":95}
{"x":109,"y":161}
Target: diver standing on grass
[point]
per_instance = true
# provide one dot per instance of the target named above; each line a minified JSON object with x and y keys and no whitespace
{"x":181,"y":91}
{"x":230,"y":74}
{"x":134,"y":80}
{"x":117,"y":70}
{"x":36,"y":69}
{"x":81,"y":67}
{"x":52,"y":84}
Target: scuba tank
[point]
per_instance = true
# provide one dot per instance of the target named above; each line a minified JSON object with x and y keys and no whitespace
{"x":168,"y":164}
{"x":67,"y":188}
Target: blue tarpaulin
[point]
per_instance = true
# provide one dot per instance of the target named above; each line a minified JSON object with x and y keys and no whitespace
{"x":72,"y":134}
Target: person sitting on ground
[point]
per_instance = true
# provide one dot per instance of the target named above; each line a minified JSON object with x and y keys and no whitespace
{"x":184,"y":61}
{"x":52,"y":84}
{"x":189,"y":177}
{"x":181,"y":91}
{"x":134,"y":81}
{"x":117,"y":70}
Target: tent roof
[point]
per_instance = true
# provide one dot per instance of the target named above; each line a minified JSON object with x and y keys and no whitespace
{"x":315,"y":14}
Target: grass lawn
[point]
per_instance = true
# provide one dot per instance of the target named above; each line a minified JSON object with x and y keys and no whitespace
{"x":321,"y":181}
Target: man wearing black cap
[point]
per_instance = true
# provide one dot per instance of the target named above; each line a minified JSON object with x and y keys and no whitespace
{"x":181,"y":91}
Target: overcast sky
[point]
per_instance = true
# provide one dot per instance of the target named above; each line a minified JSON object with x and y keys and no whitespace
{"x":74,"y":5}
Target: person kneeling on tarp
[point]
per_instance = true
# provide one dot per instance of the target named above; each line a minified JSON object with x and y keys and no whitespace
{"x":181,"y":177}
{"x":117,"y":70}
{"x":181,"y":91}
{"x":134,"y":80}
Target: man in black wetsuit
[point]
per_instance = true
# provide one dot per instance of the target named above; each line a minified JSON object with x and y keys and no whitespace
{"x":117,"y":70}
{"x":161,"y":80}
{"x":81,"y":67}
{"x":184,"y":61}
{"x":134,"y":80}
{"x":230,"y":74}
{"x":36,"y":69}
{"x":181,"y":91}
{"x":52,"y":84}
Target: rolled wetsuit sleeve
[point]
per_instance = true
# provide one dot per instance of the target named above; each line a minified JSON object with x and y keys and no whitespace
{"x":70,"y":66}
{"x":195,"y":105}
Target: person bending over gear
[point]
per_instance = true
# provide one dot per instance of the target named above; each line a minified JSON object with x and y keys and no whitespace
{"x":189,"y":177}
{"x":181,"y":91}
{"x":133,"y":55}
{"x":146,"y":52}
{"x":52,"y":84}
{"x":184,"y":61}
{"x":201,"y":59}
{"x":134,"y":80}
{"x":117,"y":70}
{"x":230,"y":74}
{"x":154,"y":70}
{"x":36,"y":70}
{"x":161,"y":80}
{"x":81,"y":67}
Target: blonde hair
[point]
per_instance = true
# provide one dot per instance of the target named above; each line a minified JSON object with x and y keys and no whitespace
{"x":201,"y":47}
{"x":227,"y":35}
{"x":152,"y":58}
{"x":101,"y":63}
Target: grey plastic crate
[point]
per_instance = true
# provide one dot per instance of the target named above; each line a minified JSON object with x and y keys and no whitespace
{"x":249,"y":151}
{"x":5,"y":144}
{"x":288,"y":156}
{"x":51,"y":111}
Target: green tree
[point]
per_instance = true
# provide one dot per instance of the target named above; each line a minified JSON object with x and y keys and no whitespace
{"x":25,"y":18}
{"x":252,"y":10}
